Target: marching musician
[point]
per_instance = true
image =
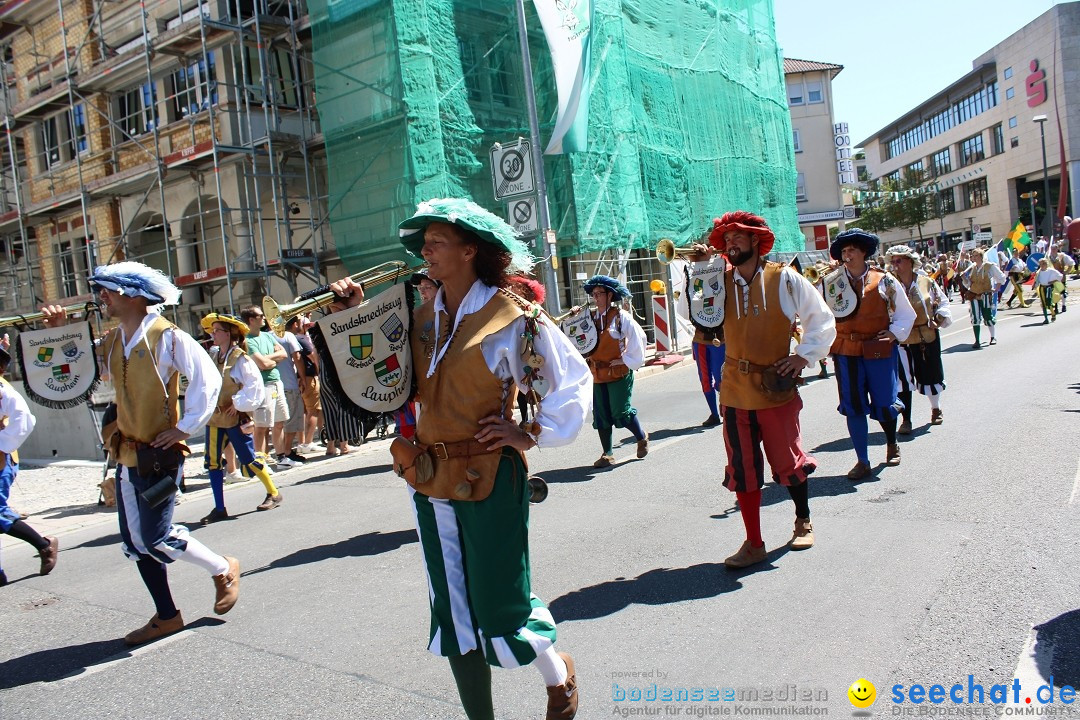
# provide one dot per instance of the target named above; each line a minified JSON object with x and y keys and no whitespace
{"x":872,"y":313}
{"x":620,"y":350}
{"x":758,"y":395}
{"x":708,"y":347}
{"x":920,"y":352}
{"x":241,"y":393}
{"x":474,"y":346}
{"x":145,"y":356}
{"x":1018,"y":273}
{"x":981,"y":280}
{"x":1064,"y":264}
{"x":16,"y":424}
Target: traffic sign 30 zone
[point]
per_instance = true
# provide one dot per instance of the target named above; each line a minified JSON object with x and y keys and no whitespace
{"x":512,"y":169}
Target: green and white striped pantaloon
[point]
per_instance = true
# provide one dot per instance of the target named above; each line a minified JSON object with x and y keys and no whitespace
{"x":476,"y":555}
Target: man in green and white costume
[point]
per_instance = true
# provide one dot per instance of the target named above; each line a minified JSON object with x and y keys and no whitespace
{"x":474,"y":347}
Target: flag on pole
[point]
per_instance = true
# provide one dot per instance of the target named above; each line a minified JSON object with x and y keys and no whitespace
{"x":1018,"y":238}
{"x":567,"y":26}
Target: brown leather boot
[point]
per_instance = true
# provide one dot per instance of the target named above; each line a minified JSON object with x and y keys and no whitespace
{"x":156,"y":628}
{"x":746,"y":556}
{"x":936,"y":418}
{"x":563,"y":699}
{"x":49,"y":555}
{"x":643,"y":447}
{"x":804,"y":535}
{"x":860,"y":471}
{"x":892,"y":455}
{"x":227,"y":586}
{"x":604,"y":461}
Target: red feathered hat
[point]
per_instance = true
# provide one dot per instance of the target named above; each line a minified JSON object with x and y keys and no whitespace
{"x":742,"y":220}
{"x":528,"y":288}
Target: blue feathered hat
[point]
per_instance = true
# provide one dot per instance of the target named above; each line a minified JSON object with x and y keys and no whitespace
{"x":467,"y":215}
{"x":867,"y":242}
{"x":608,"y":283}
{"x":133,"y":279}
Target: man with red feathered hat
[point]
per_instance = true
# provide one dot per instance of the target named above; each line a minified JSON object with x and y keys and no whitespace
{"x":758,"y":397}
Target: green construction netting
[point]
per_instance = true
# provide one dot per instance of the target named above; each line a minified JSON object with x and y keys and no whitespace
{"x":688,"y":118}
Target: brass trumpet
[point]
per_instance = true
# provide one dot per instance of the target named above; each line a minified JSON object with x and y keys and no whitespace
{"x":815,"y":272}
{"x":666,"y":252}
{"x":278,"y":316}
{"x":568,"y":313}
{"x":86,"y":307}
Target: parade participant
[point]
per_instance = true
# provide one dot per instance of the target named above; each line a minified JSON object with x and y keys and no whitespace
{"x":470,"y":347}
{"x":619,"y":351}
{"x":708,"y":354}
{"x":920,"y":353}
{"x":16,"y":424}
{"x":241,"y":393}
{"x":981,"y":280}
{"x":270,"y":417}
{"x":145,"y":357}
{"x":1064,"y":264}
{"x":426,"y":286}
{"x":1018,"y":273}
{"x":872,"y":311}
{"x":1048,"y":280}
{"x":758,"y":396}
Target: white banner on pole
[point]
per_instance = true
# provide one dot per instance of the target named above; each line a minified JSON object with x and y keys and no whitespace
{"x":567,"y":26}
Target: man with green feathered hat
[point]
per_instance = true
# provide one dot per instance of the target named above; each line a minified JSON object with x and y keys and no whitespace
{"x":475,"y":346}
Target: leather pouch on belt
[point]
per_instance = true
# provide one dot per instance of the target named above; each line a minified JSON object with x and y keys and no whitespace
{"x":877,"y":349}
{"x":411,"y":462}
{"x":772,"y":381}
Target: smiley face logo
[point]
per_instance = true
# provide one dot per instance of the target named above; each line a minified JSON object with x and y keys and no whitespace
{"x":862,"y":693}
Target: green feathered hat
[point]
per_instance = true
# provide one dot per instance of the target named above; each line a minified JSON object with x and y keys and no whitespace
{"x":467,"y":215}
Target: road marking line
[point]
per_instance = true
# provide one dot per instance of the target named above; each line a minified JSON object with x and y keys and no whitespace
{"x":1027,"y":668}
{"x":1076,"y":487}
{"x":999,"y":320}
{"x":122,"y":656}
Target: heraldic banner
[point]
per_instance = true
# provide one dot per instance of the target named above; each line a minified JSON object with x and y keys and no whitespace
{"x":366,"y":352}
{"x":59,"y":365}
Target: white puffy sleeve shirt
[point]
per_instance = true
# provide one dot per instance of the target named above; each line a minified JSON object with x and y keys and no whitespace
{"x":20,"y":420}
{"x":251,"y":394}
{"x":632,"y":336}
{"x":563,"y":411}
{"x":799,"y":298}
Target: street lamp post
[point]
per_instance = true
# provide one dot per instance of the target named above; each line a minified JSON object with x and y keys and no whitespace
{"x":1030,"y":197}
{"x":1047,"y":226}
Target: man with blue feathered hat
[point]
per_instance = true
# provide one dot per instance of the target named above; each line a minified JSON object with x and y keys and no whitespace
{"x":474,"y":347}
{"x":144,"y":357}
{"x":620,"y":350}
{"x":872,"y":314}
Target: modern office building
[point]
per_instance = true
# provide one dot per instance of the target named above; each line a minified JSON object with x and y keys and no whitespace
{"x":979,"y":142}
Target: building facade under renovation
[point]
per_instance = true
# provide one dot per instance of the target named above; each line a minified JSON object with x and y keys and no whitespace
{"x":251,"y":147}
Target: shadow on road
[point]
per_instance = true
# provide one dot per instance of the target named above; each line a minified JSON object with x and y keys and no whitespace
{"x":658,"y":435}
{"x":103,"y":541}
{"x":373,"y":543}
{"x":655,"y":587}
{"x":74,"y":510}
{"x":71,"y":661}
{"x":1055,"y":649}
{"x":774,"y":494}
{"x":346,"y":474}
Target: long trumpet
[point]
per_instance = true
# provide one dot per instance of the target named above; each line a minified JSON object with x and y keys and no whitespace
{"x":815,"y":272}
{"x":278,"y":316}
{"x":571,"y":311}
{"x":666,"y":252}
{"x":86,"y":307}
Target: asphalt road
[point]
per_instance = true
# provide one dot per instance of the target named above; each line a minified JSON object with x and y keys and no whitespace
{"x":961,"y":561}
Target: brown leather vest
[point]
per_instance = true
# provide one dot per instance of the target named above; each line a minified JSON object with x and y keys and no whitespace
{"x":869,"y":318}
{"x":760,"y":336}
{"x":921,"y":301}
{"x":979,"y":280}
{"x":607,"y":349}
{"x":229,"y":387}
{"x":463,"y":389}
{"x":144,"y":406}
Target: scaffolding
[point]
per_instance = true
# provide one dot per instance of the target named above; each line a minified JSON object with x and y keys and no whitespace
{"x":180,"y":133}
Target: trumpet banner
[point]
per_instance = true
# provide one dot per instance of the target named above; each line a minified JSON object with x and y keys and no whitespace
{"x":59,"y":365}
{"x":582,"y":331}
{"x":367,"y":354}
{"x":706,"y":294}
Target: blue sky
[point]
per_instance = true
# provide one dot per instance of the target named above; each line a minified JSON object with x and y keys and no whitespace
{"x":895,"y":55}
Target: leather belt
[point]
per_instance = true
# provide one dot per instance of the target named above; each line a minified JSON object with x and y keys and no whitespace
{"x":462,"y":448}
{"x":857,"y":337}
{"x":745,"y":366}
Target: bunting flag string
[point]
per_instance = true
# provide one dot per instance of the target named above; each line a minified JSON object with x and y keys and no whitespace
{"x":859,"y":195}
